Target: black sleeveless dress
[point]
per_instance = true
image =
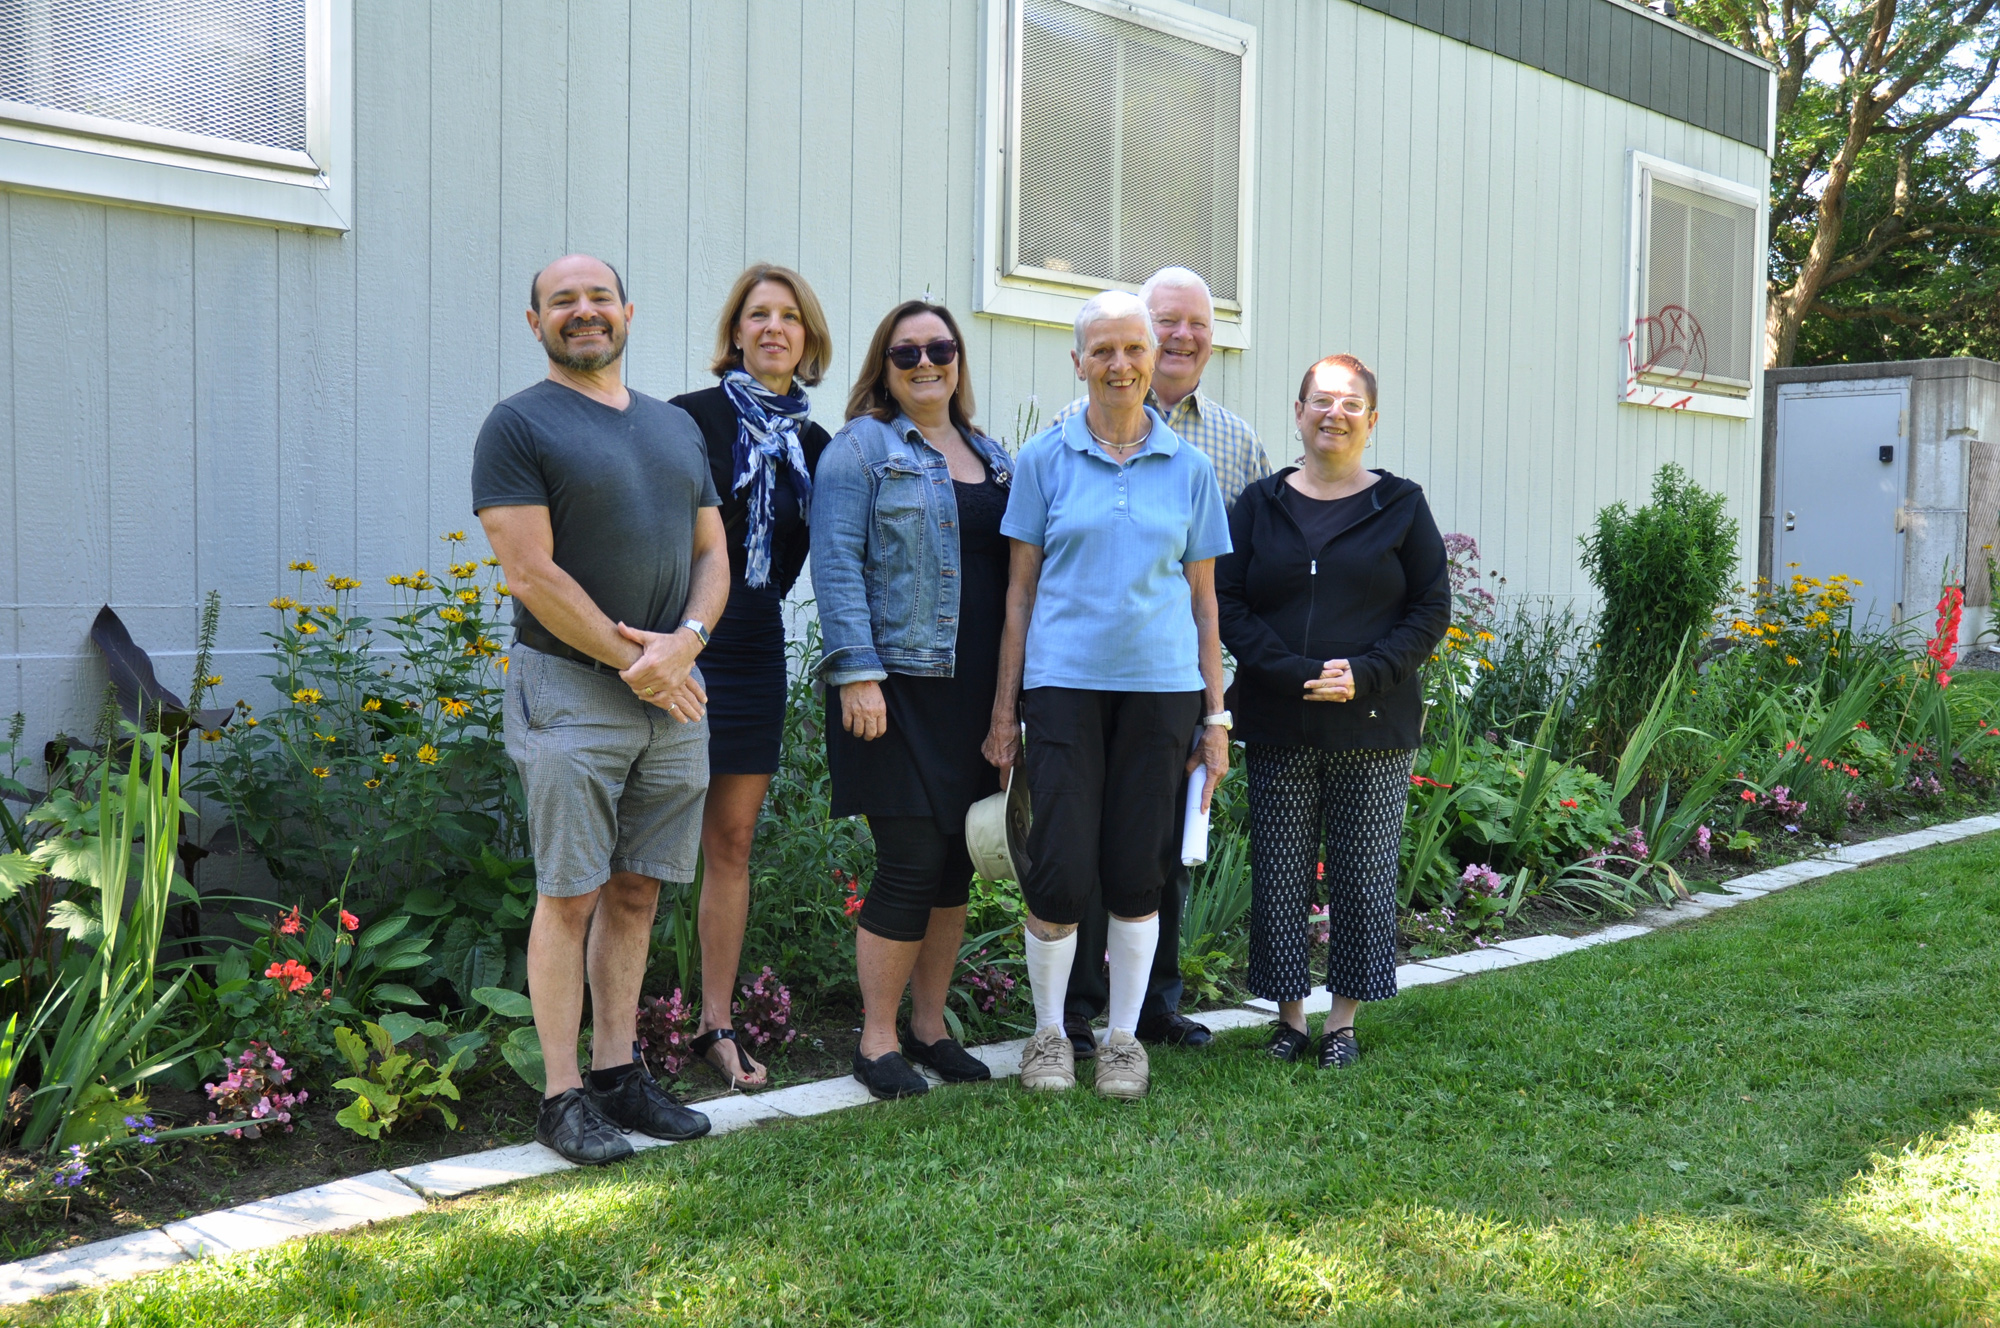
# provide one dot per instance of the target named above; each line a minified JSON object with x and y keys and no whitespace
{"x":928,"y":763}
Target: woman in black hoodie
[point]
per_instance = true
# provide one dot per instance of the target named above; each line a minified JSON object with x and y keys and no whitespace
{"x":1334,"y":597}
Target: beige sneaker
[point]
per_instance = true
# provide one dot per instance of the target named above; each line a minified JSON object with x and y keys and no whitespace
{"x":1048,"y":1062}
{"x":1122,"y":1068}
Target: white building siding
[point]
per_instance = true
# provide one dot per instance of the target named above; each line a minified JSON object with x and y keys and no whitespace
{"x":193,"y":403}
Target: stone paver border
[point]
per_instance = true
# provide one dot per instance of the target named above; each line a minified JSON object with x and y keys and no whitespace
{"x":378,"y":1196}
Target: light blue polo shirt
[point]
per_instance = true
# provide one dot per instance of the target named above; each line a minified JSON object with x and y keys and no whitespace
{"x":1112,"y":610}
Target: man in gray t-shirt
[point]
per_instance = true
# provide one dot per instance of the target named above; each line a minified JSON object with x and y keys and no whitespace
{"x":601,"y":507}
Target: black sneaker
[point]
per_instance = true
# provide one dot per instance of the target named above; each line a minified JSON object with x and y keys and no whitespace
{"x":1337,"y":1049}
{"x":573,"y":1127}
{"x":889,"y":1076}
{"x":638,"y":1103}
{"x":1174,"y":1029}
{"x":1081,"y":1039}
{"x":953,"y":1063}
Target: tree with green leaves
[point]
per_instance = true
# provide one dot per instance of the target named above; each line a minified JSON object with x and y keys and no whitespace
{"x":1885,"y":220}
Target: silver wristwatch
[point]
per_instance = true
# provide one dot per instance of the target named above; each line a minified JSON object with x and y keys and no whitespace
{"x":696,"y":626}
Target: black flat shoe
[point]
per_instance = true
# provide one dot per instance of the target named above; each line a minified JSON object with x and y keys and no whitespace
{"x":889,"y":1076}
{"x":1287,"y":1043}
{"x":639,"y":1103}
{"x":738,"y":1079}
{"x":578,"y":1132}
{"x":1174,"y":1029}
{"x":953,"y":1063}
{"x":1338,"y":1049}
{"x":1082,"y":1041}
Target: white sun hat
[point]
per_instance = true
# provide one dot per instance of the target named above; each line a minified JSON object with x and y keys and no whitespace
{"x":996,"y":830}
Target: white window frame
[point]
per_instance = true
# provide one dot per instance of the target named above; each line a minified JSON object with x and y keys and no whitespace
{"x":1045,"y":297}
{"x":1714,"y":400}
{"x":112,"y":161}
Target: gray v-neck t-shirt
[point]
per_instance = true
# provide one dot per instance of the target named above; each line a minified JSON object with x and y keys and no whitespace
{"x":623,"y":488}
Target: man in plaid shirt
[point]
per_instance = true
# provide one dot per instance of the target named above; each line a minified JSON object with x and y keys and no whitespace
{"x":1184,"y":317}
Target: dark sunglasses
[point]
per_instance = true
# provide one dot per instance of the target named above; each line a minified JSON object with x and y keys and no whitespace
{"x":942,"y":352}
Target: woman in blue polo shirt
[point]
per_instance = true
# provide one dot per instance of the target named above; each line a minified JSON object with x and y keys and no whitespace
{"x":1111,"y":655}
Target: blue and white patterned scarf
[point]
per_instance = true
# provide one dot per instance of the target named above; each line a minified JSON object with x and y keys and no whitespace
{"x":767,"y":436}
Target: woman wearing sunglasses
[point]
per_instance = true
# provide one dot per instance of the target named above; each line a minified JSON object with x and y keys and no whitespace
{"x":1335,"y":595}
{"x":771,"y":343}
{"x":911,"y":576}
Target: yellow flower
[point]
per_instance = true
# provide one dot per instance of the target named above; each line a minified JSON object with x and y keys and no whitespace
{"x":501,"y":591}
{"x":427,"y":754}
{"x":397,"y":579}
{"x":1486,"y":664}
{"x":419,"y":580}
{"x":453,"y":537}
{"x":468,"y":596}
{"x":307,"y":696}
{"x":307,"y":628}
{"x":371,"y":783}
{"x":483,"y":645}
{"x":283,"y":603}
{"x":456,"y":709}
{"x":326,"y":610}
{"x":325,"y":737}
{"x":1454,"y":633}
{"x":451,"y":615}
{"x":343,"y":583}
{"x":463,"y":570}
{"x":1792,"y":660}
{"x":304,"y":565}
{"x":212,"y":680}
{"x":371,"y":704}
{"x":388,"y":758}
{"x":321,"y":772}
{"x":1485,"y":636}
{"x":251,"y":722}
{"x":504,"y":662}
{"x":489,"y":561}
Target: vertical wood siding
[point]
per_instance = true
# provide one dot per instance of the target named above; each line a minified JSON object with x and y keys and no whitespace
{"x":194,"y":403}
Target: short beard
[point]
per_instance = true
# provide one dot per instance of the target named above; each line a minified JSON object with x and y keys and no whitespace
{"x":558,"y":353}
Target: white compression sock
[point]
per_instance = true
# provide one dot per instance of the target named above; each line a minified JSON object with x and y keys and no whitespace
{"x":1131,"y":946}
{"x":1048,"y":976}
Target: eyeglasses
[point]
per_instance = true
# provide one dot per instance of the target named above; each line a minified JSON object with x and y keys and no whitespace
{"x":942,"y":352}
{"x":1321,"y":405}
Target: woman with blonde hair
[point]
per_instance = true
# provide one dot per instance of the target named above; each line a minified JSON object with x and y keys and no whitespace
{"x":911,"y":574}
{"x":770,"y":344}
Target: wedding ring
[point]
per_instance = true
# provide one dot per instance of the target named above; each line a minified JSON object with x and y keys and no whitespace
{"x":649,"y":691}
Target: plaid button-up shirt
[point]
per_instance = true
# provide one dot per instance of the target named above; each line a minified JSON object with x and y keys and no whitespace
{"x":1225,"y":437}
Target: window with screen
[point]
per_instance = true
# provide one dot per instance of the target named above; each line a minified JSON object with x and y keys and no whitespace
{"x":1127,"y":146}
{"x":1696,"y":323}
{"x":236,"y":88}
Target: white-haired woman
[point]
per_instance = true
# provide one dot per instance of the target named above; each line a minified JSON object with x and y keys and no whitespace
{"x":1112,"y":656}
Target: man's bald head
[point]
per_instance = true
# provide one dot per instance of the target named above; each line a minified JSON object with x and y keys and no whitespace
{"x":577,"y":265}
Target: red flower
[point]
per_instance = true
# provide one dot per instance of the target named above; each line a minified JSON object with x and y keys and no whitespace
{"x":290,"y":924}
{"x":1419,"y":781}
{"x":295,"y":976}
{"x":1748,"y":795}
{"x":855,"y":899}
{"x":1860,"y":723}
{"x":349,"y":921}
{"x":1569,"y":802}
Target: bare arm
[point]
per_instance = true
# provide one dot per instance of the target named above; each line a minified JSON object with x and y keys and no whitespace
{"x":1024,"y":573}
{"x":525,"y":543}
{"x":1213,"y":750}
{"x":663,"y":673}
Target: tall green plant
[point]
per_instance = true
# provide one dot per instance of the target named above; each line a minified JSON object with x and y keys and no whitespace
{"x":1662,"y":570}
{"x":106,"y":1041}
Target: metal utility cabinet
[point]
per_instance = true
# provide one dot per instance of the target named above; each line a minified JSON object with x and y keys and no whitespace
{"x":1885,"y":472}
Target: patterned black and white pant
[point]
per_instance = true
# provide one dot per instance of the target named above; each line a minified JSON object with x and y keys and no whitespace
{"x":1345,"y":809}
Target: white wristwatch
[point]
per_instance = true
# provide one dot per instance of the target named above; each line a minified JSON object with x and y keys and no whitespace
{"x":1222,"y":719}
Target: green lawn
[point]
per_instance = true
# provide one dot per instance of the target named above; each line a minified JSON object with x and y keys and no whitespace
{"x":1780,"y":1115}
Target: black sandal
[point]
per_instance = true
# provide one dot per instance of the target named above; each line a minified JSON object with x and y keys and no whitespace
{"x":1338,"y":1049}
{"x":703,"y":1044}
{"x":1287,"y":1043}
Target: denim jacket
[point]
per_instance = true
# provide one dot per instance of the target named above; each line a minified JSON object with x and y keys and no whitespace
{"x":885,"y":558}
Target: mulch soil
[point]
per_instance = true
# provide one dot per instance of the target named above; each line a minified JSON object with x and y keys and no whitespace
{"x":154,"y":1186}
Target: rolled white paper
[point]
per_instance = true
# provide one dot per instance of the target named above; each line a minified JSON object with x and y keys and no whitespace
{"x":1194,"y":835}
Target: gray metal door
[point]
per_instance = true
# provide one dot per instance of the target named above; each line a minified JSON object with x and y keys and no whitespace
{"x":1842,"y":459}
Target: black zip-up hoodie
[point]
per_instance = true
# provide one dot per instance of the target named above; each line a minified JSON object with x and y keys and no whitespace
{"x":1378,"y":595}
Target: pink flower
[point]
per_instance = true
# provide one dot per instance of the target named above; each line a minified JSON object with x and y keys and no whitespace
{"x":290,"y":924}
